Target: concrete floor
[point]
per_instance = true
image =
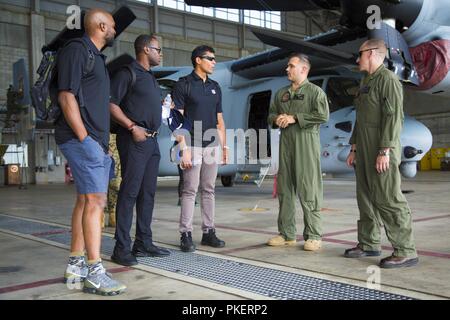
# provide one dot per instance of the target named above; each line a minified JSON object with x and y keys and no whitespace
{"x":31,"y":268}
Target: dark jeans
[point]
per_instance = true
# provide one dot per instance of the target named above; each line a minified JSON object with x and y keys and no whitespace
{"x":139,"y":168}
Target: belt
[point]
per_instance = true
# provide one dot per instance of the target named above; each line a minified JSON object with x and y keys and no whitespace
{"x":151,"y":133}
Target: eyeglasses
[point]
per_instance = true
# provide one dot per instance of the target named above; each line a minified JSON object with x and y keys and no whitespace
{"x":208,"y":58}
{"x":361,"y":52}
{"x":157,"y":49}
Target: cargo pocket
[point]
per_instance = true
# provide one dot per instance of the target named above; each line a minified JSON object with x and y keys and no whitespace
{"x":388,"y":108}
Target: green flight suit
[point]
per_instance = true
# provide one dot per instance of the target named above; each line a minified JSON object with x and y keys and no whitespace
{"x":299,"y":172}
{"x":379,"y":121}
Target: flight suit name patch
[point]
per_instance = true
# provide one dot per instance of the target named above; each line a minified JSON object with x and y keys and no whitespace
{"x":286,"y":97}
{"x":298,"y":97}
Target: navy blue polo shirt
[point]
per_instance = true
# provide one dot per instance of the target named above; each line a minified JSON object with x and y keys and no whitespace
{"x":203,"y":103}
{"x":72,"y":62}
{"x":143,"y":104}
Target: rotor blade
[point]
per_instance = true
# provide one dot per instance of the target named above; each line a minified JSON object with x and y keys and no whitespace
{"x":123,"y":17}
{"x":267,"y":5}
{"x":293,"y":43}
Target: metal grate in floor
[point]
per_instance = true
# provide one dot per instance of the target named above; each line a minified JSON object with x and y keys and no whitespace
{"x":260,"y":280}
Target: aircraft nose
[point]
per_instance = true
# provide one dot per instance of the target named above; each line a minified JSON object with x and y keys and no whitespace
{"x":416,"y":139}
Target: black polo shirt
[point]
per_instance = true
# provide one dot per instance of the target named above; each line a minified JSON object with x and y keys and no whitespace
{"x":143,"y":104}
{"x":71,"y":63}
{"x":203,"y":103}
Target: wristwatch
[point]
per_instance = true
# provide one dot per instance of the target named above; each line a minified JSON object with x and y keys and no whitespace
{"x":383,"y":152}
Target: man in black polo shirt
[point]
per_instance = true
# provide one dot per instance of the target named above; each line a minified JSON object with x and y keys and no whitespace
{"x":200,"y":100}
{"x":82,"y":134}
{"x":137,"y":109}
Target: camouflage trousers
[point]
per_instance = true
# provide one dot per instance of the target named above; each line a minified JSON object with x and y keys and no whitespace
{"x":109,"y":217}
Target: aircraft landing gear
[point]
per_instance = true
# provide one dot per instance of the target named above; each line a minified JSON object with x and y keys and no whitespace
{"x":227,"y":181}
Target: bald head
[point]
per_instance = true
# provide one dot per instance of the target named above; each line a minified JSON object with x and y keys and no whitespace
{"x":380,"y":46}
{"x":371,"y":55}
{"x":94,"y":18}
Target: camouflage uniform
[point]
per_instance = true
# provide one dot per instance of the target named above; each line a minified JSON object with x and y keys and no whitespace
{"x":114,"y":184}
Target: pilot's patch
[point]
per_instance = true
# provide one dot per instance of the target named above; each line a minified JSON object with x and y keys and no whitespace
{"x":213,"y":91}
{"x":285,"y":97}
{"x":298,"y":97}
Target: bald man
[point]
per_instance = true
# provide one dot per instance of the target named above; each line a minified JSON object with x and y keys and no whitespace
{"x":376,"y":154}
{"x":82,"y":134}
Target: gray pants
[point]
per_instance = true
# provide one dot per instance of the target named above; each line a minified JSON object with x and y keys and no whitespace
{"x":203,"y":173}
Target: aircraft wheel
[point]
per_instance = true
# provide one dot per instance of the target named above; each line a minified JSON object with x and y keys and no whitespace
{"x":227,"y":181}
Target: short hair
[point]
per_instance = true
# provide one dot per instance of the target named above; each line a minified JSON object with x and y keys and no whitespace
{"x":143,"y":41}
{"x":377,"y":43}
{"x":302,"y":57}
{"x":200,"y":51}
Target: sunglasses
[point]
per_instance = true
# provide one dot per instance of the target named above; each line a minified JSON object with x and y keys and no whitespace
{"x":361,"y":52}
{"x":157,"y":49}
{"x":208,"y":58}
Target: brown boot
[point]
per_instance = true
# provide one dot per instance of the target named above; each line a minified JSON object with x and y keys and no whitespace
{"x":280,"y":241}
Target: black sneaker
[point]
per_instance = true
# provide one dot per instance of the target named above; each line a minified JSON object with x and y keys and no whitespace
{"x":186,"y":243}
{"x":210,"y":239}
{"x":357,"y":252}
{"x":124,"y":258}
{"x":140,"y":250}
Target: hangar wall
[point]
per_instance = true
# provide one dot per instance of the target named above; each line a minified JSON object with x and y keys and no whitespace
{"x":432,"y":111}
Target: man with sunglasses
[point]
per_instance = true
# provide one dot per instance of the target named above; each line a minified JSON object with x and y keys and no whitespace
{"x":200,"y":100}
{"x":376,"y":154}
{"x":137,"y":109}
{"x":298,"y":110}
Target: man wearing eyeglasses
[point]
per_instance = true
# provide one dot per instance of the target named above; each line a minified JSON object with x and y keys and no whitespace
{"x":298,"y":110}
{"x":199,"y":98}
{"x":376,"y":154}
{"x":136,"y":107}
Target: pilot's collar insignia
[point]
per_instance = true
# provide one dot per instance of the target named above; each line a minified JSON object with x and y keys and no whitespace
{"x":285,"y":97}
